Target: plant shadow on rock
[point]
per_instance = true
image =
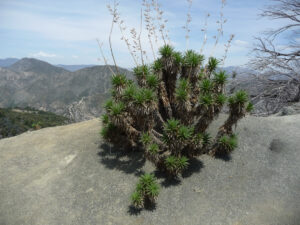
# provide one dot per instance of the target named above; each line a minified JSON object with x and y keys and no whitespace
{"x":149,"y":206}
{"x":127,"y":161}
{"x":223,"y":156}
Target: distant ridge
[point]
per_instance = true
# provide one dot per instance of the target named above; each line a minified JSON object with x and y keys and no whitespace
{"x":35,"y":65}
{"x":80,"y":94}
{"x":77,"y":95}
{"x":7,"y":62}
{"x":74,"y":68}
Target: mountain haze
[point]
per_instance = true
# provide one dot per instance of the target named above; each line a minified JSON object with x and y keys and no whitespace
{"x":32,"y":65}
{"x":77,"y":95}
{"x":7,"y":62}
{"x":73,"y":68}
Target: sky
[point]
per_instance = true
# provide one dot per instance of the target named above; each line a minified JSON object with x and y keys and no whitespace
{"x":65,"y":32}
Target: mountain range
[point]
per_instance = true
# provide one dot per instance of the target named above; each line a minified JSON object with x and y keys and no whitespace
{"x":74,"y":91}
{"x":78,"y":95}
{"x":10,"y":61}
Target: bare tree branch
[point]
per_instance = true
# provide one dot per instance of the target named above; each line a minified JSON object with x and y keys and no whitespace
{"x":284,"y":62}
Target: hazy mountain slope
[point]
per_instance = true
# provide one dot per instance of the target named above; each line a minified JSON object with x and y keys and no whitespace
{"x":9,"y":85}
{"x":63,"y":175}
{"x":241,"y":72}
{"x":32,"y":65}
{"x":38,"y":84}
{"x":79,"y":95}
{"x":73,"y":68}
{"x":7,"y":62}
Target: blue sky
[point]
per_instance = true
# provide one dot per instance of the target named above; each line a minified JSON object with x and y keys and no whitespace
{"x":65,"y":32}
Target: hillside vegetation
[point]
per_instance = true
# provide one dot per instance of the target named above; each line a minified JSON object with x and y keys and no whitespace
{"x":16,"y":121}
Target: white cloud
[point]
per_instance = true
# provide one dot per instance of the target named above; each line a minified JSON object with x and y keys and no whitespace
{"x":79,"y":26}
{"x":241,"y":43}
{"x":42,"y":55}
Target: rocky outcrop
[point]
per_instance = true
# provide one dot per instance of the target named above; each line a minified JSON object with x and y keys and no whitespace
{"x":65,"y":175}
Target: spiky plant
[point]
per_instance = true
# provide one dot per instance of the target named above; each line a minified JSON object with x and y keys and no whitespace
{"x":212,"y":65}
{"x":166,"y":51}
{"x":147,"y":190}
{"x":227,"y":144}
{"x":170,"y":108}
{"x":167,"y":110}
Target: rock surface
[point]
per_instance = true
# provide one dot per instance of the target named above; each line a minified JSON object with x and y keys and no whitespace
{"x":65,"y":175}
{"x":290,"y":110}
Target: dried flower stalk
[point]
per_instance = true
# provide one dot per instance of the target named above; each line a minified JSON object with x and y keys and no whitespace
{"x":221,"y":22}
{"x":103,"y":56}
{"x":187,"y":23}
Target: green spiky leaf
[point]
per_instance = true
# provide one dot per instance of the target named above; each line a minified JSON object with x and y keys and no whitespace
{"x":157,"y":66}
{"x":152,"y":190}
{"x":166,"y":51}
{"x":129,"y":92}
{"x":250,"y":107}
{"x":144,"y":95}
{"x":117,"y":108}
{"x":137,"y":199}
{"x":153,"y":148}
{"x":185,"y":132}
{"x":220,"y":78}
{"x":141,"y":71}
{"x":171,"y":163}
{"x":177,"y":58}
{"x":119,"y":80}
{"x":229,"y":143}
{"x":147,"y":179}
{"x":206,"y":100}
{"x":221,"y":99}
{"x":176,"y":163}
{"x":171,"y":125}
{"x":182,"y":163}
{"x":105,"y":119}
{"x":108,"y":104}
{"x":184,"y":84}
{"x":206,"y":86}
{"x":192,"y":59}
{"x":206,"y":139}
{"x":198,"y":137}
{"x":145,"y":138}
{"x":241,"y":97}
{"x":107,"y":130}
{"x":149,"y":95}
{"x":104,"y":132}
{"x":212,"y":64}
{"x":152,"y":81}
{"x":181,"y":94}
